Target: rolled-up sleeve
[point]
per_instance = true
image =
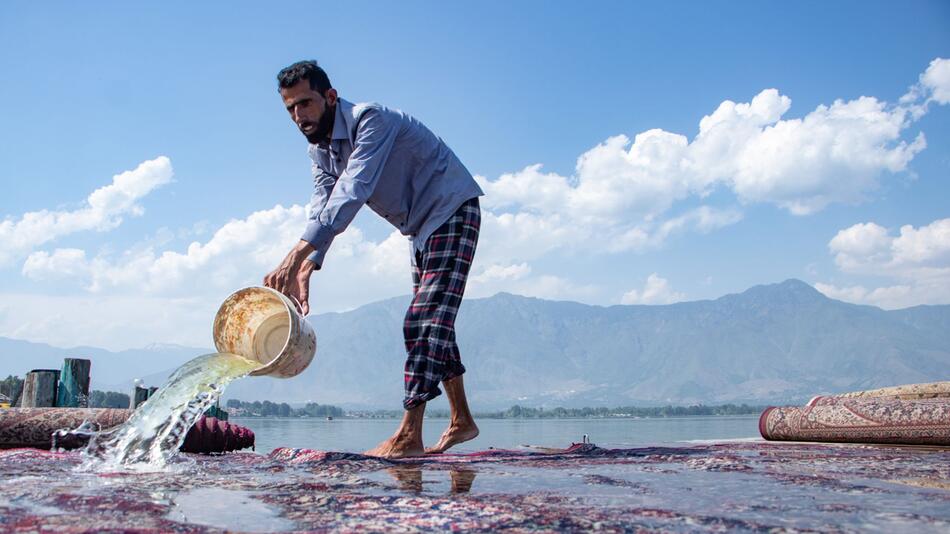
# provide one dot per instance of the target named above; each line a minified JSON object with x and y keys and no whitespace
{"x":375,"y":135}
{"x":322,"y":187}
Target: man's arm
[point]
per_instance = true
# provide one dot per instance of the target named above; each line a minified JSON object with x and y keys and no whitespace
{"x":375,"y":136}
{"x":292,"y":276}
{"x":323,"y":183}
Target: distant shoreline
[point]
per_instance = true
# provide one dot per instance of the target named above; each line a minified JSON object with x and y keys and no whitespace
{"x":478,"y":416}
{"x":520,"y":412}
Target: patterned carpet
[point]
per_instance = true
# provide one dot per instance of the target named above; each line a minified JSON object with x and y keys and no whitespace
{"x":738,"y":486}
{"x":915,"y":414}
{"x":931,"y":390}
{"x":37,"y":427}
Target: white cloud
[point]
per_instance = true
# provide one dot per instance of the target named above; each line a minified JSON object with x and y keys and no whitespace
{"x":238,"y":254}
{"x":496,"y":272}
{"x":520,"y":279}
{"x":859,"y":244}
{"x":555,"y":287}
{"x":545,"y":286}
{"x":656,"y":290}
{"x":835,"y":154}
{"x":703,"y":219}
{"x":62,"y":263}
{"x":934,"y":83}
{"x":916,"y":261}
{"x":622,"y":192}
{"x":258,"y":241}
{"x":937,"y":80}
{"x":103,"y":210}
{"x":888,"y":297}
{"x":869,"y":248}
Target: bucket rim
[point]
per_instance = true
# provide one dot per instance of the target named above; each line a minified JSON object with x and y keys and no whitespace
{"x":268,"y":367}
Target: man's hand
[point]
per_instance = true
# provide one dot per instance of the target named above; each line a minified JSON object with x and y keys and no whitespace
{"x":301,"y":290}
{"x":292,"y":276}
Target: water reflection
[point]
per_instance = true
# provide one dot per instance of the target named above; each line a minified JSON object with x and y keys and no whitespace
{"x":462,"y":479}
{"x":409,"y":478}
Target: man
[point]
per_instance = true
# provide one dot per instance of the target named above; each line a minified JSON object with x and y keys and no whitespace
{"x":366,"y":153}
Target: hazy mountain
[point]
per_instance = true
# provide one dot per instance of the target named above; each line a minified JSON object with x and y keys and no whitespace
{"x":781,"y":342}
{"x":774,"y":343}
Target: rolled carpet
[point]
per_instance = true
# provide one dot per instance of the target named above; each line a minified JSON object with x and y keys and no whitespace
{"x":860,"y":420}
{"x":931,"y":390}
{"x":34,"y":427}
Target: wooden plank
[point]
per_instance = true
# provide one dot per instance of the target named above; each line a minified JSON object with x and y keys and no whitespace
{"x":39,"y":388}
{"x":73,"y":389}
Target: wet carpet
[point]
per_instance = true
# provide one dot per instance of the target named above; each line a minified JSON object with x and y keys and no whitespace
{"x":737,"y":486}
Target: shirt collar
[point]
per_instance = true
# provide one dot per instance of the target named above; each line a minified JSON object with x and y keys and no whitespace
{"x":340,"y":128}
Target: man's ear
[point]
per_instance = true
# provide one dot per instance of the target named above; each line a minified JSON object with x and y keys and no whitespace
{"x":331,"y":96}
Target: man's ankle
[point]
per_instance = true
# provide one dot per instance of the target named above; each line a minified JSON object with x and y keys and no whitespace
{"x":462,"y":422}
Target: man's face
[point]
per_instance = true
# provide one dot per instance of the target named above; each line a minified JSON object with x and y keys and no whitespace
{"x":310,"y":111}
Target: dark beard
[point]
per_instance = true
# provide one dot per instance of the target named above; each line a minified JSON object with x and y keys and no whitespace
{"x":324,"y":126}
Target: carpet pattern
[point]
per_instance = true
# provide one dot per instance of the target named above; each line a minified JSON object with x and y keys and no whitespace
{"x":932,"y":390}
{"x":32,"y":427}
{"x":739,"y":486}
{"x":861,"y":420}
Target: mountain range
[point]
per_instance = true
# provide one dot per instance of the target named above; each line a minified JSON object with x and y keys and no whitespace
{"x":769,"y":344}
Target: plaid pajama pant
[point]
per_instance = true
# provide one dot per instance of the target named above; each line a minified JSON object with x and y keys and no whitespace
{"x":438,"y":281}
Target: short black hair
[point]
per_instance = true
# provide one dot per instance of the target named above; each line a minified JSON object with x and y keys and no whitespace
{"x":309,"y":70}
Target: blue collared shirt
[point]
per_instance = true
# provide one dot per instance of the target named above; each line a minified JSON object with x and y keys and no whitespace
{"x":390,"y":161}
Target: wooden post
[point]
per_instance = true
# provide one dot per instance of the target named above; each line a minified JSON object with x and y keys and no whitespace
{"x":73,"y":389}
{"x":139,"y":395}
{"x":39,"y":388}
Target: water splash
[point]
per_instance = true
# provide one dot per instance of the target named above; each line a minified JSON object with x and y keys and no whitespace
{"x":152,"y":436}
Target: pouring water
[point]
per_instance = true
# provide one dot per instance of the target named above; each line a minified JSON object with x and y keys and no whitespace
{"x":257,"y":330}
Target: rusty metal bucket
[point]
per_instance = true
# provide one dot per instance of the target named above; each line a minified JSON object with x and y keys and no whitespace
{"x":262,"y":324}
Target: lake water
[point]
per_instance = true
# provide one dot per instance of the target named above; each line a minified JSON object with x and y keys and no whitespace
{"x":357,"y":435}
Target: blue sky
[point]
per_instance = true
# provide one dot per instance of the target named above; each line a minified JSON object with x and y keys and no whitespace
{"x":782,"y":184}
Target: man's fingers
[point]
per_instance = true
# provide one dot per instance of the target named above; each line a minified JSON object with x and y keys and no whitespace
{"x":303,"y":294}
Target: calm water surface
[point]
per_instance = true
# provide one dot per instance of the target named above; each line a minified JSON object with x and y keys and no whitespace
{"x":357,"y":435}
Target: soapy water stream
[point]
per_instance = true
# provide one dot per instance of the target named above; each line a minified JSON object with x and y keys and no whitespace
{"x":150,"y":438}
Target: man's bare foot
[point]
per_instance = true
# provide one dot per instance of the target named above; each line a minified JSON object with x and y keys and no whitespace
{"x":455,"y":434}
{"x":398,"y":447}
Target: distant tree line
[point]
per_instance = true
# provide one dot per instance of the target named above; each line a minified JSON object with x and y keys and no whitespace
{"x":108,"y":399}
{"x":272,"y":409}
{"x":523,"y":412}
{"x":12,"y":387}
